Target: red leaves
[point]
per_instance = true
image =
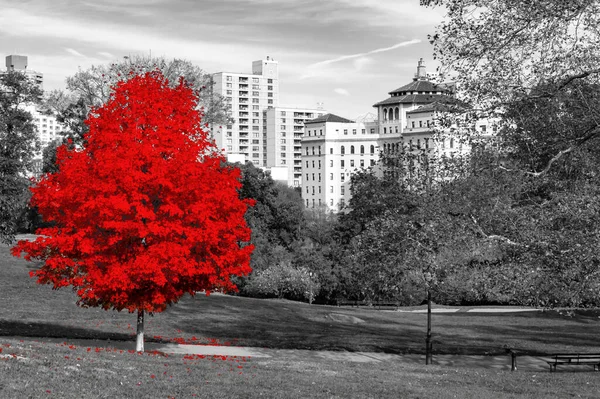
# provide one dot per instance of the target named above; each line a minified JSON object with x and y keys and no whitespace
{"x":145,"y":212}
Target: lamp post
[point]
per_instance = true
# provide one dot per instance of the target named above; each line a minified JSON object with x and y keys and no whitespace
{"x":310,"y":288}
{"x":428,"y":343}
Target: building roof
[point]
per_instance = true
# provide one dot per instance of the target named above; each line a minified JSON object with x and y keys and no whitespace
{"x":445,"y":104}
{"x":411,"y":99}
{"x":329,"y":118}
{"x":419,"y":86}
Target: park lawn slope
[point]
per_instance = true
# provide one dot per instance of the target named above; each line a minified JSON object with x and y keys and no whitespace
{"x":31,"y":310}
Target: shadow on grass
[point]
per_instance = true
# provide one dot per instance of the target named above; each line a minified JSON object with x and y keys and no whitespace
{"x":11,"y":328}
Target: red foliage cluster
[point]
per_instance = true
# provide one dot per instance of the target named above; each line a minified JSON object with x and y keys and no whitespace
{"x":147,"y":211}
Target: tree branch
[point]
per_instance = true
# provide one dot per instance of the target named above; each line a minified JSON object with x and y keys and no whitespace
{"x":590,"y":134}
{"x":495,"y":236}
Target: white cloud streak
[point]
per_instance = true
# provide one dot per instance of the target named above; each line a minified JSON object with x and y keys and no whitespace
{"x":359,"y":55}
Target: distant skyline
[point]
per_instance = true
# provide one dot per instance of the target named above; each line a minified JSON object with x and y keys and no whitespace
{"x":346,"y":54}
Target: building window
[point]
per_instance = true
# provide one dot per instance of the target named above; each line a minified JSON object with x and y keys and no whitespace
{"x":451,"y":143}
{"x":313,"y":190}
{"x":362,"y":163}
{"x":307,"y":177}
{"x":306,"y":189}
{"x":331,"y":189}
{"x":229,"y":85}
{"x":269,"y":80}
{"x":331,"y":152}
{"x":255,"y":100}
{"x":352,"y":163}
{"x":319,"y":193}
{"x":343,"y":150}
{"x":330,"y":202}
{"x":306,"y":150}
{"x":353,"y":131}
{"x":331,"y":163}
{"x":342,"y":163}
{"x":331,"y":176}
{"x":363,"y":131}
{"x":362,"y":149}
{"x":269,"y":101}
{"x":372,"y":149}
{"x":342,"y":176}
{"x":351,"y":149}
{"x":413,"y":124}
{"x":255,"y":93}
{"x":228,"y":78}
{"x":342,"y":203}
{"x":313,"y":150}
{"x":372,"y":162}
{"x":372,"y":130}
{"x":255,"y":80}
{"x":384,"y":130}
{"x":319,"y":164}
{"x":269,"y":87}
{"x":342,"y":190}
{"x":345,"y":131}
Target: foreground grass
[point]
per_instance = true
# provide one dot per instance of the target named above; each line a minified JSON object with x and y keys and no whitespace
{"x":30,"y":368}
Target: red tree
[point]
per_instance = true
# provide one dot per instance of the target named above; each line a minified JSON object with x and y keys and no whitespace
{"x":147,"y":211}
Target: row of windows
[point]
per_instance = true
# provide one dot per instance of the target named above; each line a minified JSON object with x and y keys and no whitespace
{"x":342,"y":203}
{"x":363,"y":131}
{"x":342,"y":190}
{"x":342,"y":163}
{"x":343,"y":150}
{"x":229,"y":78}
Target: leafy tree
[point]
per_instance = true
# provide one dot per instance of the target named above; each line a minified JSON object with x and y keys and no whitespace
{"x":275,"y":220}
{"x":146,"y":211}
{"x":18,"y":144}
{"x":534,"y":67}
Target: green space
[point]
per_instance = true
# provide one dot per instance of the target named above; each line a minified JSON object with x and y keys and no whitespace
{"x":31,"y":365}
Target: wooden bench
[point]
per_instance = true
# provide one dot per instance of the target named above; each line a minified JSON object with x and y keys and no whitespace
{"x":574,"y":359}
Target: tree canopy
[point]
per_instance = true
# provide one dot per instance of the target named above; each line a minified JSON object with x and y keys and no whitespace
{"x":147,"y":210}
{"x":18,"y":145}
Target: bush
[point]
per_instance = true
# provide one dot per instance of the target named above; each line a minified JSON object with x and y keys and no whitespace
{"x":282,"y":281}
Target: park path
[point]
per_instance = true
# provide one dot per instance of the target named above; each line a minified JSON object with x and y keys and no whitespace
{"x":524,"y":363}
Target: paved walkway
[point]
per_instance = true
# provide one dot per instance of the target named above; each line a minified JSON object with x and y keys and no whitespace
{"x":524,"y":363}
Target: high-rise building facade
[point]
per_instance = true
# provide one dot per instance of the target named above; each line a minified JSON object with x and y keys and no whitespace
{"x":285,"y":128}
{"x":19,"y":63}
{"x":333,"y":148}
{"x":248,"y":94}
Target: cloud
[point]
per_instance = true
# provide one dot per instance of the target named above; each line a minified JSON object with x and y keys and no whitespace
{"x":360,"y":59}
{"x":359,"y":55}
{"x":341,"y":91}
{"x":74,"y":52}
{"x":106,"y":54}
{"x":359,"y":63}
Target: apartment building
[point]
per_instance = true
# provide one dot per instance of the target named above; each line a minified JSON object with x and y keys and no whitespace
{"x":284,"y":129}
{"x":332,"y":149}
{"x":19,"y":63}
{"x":249,"y":95}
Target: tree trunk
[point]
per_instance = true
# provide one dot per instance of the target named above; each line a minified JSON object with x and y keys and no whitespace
{"x":428,"y":344}
{"x":139,"y":342}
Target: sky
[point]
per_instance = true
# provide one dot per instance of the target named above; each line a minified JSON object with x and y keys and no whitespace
{"x":345,"y":54}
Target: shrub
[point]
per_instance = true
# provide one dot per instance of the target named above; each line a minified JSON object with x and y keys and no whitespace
{"x":282,"y":281}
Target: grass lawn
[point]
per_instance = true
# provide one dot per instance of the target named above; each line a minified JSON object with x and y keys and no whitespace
{"x":34,"y":366}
